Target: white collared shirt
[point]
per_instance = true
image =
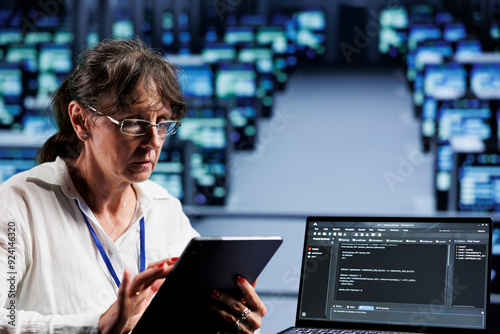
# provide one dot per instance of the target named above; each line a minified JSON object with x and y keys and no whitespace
{"x":52,"y":277}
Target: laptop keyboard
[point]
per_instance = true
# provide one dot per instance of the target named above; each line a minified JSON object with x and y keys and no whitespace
{"x":337,"y":331}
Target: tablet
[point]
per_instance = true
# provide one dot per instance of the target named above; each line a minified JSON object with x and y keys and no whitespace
{"x":207,"y":263}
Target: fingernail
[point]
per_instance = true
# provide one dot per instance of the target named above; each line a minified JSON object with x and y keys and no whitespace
{"x":215,"y":293}
{"x":241,"y":280}
{"x":162,"y":265}
{"x":173,"y":259}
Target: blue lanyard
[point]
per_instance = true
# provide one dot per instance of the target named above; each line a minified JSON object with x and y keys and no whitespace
{"x":107,"y":261}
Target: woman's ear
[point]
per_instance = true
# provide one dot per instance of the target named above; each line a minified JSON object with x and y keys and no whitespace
{"x":78,"y":117}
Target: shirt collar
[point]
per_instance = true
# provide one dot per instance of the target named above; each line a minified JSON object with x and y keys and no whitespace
{"x":56,"y":173}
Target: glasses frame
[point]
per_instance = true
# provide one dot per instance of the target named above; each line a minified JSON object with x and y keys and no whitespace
{"x":120,"y":124}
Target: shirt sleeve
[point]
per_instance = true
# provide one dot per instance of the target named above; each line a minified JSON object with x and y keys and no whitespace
{"x":13,"y":267}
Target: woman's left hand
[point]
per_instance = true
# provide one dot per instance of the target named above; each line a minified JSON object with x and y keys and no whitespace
{"x":242,"y":315}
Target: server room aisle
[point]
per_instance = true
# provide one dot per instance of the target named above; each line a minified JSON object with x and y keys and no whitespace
{"x":339,"y":143}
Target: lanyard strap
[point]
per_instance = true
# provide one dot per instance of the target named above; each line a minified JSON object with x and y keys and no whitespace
{"x":107,"y":261}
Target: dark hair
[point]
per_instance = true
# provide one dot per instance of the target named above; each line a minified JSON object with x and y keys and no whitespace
{"x":107,"y":78}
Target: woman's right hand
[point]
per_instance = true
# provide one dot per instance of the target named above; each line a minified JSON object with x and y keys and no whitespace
{"x":133,"y":297}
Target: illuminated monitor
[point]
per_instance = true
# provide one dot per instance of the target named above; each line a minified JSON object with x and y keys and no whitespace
{"x":495,"y":264}
{"x":209,"y":170}
{"x":235,"y":35}
{"x":479,"y":58}
{"x":45,"y":17}
{"x":55,"y":57}
{"x":38,"y":37}
{"x":168,"y":37}
{"x":63,"y":37}
{"x":485,"y":81}
{"x":311,"y":20}
{"x":10,"y":36}
{"x":391,"y":41}
{"x":48,"y":82}
{"x":396,"y":18}
{"x":92,"y":36}
{"x":495,"y":31}
{"x":15,"y":18}
{"x":427,"y":52}
{"x":243,"y":121}
{"x":274,"y":36}
{"x":122,"y":26}
{"x":9,"y":112}
{"x":253,"y":20}
{"x":199,"y":81}
{"x":478,"y":182}
{"x":183,"y":21}
{"x":468,"y":49}
{"x":38,"y":124}
{"x":453,"y":32}
{"x":5,"y":16}
{"x":170,"y":171}
{"x":445,"y":82}
{"x":429,"y":111}
{"x":167,"y":21}
{"x":444,"y":18}
{"x":218,"y":52}
{"x":11,"y":86}
{"x":11,"y":91}
{"x":310,"y":39}
{"x":461,"y":126}
{"x":207,"y":129}
{"x":261,"y":57}
{"x":235,"y":81}
{"x":123,"y":29}
{"x":14,"y":160}
{"x":211,"y":35}
{"x":422,"y":13}
{"x":432,"y":53}
{"x":26,"y":55}
{"x":422,"y":32}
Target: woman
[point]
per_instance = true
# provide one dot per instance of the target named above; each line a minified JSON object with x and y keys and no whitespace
{"x":86,"y":239}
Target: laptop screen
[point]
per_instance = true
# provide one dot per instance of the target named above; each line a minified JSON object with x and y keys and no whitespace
{"x":418,"y":272}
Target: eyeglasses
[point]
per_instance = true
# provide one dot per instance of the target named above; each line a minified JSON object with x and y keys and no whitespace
{"x":139,"y":127}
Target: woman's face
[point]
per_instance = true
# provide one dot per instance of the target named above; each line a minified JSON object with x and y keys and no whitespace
{"x":125,"y":158}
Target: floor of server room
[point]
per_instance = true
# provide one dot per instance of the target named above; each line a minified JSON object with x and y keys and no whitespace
{"x":338,"y":143}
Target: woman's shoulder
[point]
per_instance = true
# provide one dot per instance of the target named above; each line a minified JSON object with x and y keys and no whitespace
{"x":17,"y":194}
{"x":15,"y":182}
{"x":31,"y":185}
{"x":47,"y":172}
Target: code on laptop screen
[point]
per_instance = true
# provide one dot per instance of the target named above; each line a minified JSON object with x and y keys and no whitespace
{"x":405,"y":273}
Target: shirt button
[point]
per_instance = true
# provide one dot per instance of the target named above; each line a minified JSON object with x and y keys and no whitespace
{"x":111,"y":251}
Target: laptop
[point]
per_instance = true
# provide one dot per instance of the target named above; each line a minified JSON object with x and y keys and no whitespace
{"x":394,"y":274}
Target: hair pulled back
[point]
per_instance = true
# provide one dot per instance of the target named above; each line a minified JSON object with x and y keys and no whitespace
{"x":107,"y":78}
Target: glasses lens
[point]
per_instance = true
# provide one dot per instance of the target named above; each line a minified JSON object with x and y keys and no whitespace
{"x":167,"y":128}
{"x":135,"y":127}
